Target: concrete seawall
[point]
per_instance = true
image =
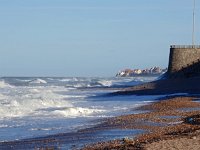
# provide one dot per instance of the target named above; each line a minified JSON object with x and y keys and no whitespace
{"x":184,"y":61}
{"x":183,"y":75}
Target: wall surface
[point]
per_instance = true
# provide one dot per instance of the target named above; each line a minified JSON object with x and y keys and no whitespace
{"x":184,"y":61}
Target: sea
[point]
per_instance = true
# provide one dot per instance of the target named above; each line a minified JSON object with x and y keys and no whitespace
{"x":32,"y":107}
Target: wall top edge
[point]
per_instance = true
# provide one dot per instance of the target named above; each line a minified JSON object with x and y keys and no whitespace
{"x":185,"y":46}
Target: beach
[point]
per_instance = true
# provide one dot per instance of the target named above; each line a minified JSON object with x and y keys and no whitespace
{"x":62,"y":112}
{"x":72,"y":117}
{"x":93,"y":75}
{"x":171,"y":123}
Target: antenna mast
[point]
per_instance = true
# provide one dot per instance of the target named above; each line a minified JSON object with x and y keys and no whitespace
{"x":193,"y":31}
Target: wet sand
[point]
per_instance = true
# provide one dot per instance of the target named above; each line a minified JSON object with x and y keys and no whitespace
{"x":172,"y":123}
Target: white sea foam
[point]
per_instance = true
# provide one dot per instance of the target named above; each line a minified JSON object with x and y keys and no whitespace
{"x":106,"y":83}
{"x":79,"y":85}
{"x":44,"y":129}
{"x":38,"y":81}
{"x":49,"y":106}
{"x":3,"y":125}
{"x":23,"y":101}
{"x":23,"y":80}
{"x":64,"y":80}
{"x":77,"y":112}
{"x":3,"y":97}
{"x":4,"y":85}
{"x":41,"y":101}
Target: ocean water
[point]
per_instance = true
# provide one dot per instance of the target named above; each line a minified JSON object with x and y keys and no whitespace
{"x":33,"y":107}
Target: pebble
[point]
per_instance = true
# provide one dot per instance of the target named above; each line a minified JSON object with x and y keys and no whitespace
{"x":194,"y":138}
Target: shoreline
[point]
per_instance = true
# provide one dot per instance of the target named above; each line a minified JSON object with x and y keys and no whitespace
{"x":167,"y":120}
{"x":163,"y":87}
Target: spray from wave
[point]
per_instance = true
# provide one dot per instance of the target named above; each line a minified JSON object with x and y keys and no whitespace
{"x":42,"y":106}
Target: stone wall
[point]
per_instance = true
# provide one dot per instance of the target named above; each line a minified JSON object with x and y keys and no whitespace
{"x":184,"y":61}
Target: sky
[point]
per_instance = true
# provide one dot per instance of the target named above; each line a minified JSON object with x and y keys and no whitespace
{"x":91,"y":37}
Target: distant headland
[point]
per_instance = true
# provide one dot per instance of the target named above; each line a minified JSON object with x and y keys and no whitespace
{"x":154,"y":71}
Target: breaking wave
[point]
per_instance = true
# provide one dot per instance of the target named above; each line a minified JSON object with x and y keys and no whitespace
{"x":38,"y":106}
{"x":28,"y":101}
{"x":38,"y":81}
{"x":3,"y":84}
{"x":77,"y":112}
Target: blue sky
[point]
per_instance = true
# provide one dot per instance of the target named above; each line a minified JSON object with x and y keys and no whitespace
{"x":90,"y":37}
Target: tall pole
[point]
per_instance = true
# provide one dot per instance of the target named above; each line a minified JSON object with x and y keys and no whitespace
{"x":193,"y":31}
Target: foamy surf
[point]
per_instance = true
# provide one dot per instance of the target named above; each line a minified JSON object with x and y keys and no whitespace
{"x":28,"y":101}
{"x":43,"y":106}
{"x":38,"y":81}
{"x":4,"y":85}
{"x":77,"y":112}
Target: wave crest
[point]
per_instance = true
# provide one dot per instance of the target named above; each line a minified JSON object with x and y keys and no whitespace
{"x":3,"y":84}
{"x":77,"y":112}
{"x":38,"y":81}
